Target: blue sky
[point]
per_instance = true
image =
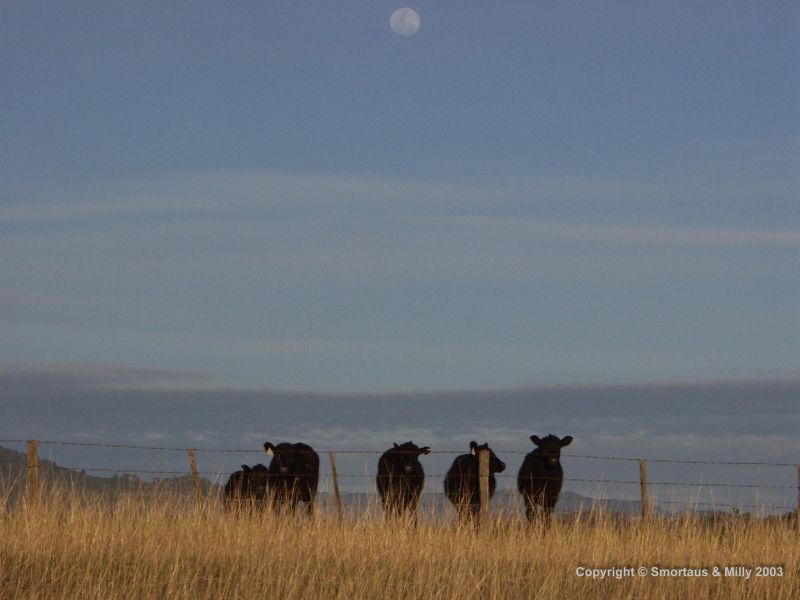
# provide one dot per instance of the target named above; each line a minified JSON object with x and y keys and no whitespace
{"x":288,"y":195}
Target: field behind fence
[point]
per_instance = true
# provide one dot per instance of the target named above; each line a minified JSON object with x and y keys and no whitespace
{"x":652,"y":496}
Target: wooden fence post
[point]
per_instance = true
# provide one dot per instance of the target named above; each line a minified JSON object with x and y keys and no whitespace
{"x":195,"y":477}
{"x":797,"y":510}
{"x":32,"y":480}
{"x":483,"y":481}
{"x":336,"y":486}
{"x":643,"y":481}
{"x":757,"y":500}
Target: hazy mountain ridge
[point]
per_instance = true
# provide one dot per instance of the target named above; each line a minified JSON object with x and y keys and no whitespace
{"x":14,"y":466}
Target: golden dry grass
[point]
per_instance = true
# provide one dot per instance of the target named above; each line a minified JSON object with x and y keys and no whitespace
{"x":66,"y":548}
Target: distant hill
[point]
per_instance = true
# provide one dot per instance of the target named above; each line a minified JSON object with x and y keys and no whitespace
{"x":14,"y":466}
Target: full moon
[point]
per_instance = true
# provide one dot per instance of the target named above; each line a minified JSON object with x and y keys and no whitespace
{"x":404,"y":21}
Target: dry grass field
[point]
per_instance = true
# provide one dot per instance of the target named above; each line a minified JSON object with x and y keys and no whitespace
{"x":67,"y":547}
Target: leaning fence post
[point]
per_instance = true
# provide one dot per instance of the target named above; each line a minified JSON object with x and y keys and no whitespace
{"x":336,"y":486}
{"x":195,"y":477}
{"x":32,"y":480}
{"x":643,"y":481}
{"x":483,"y":475}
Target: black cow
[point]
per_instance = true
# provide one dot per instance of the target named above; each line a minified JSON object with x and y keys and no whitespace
{"x":293,"y":475}
{"x":247,"y":488}
{"x":462,"y":482}
{"x":540,"y":477}
{"x":401,"y":478}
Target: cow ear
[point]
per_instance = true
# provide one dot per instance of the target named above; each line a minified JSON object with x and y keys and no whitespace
{"x":473,"y":446}
{"x":566,"y":440}
{"x":395,"y":445}
{"x":269,"y":448}
{"x":425,"y":450}
{"x":245,"y":468}
{"x":536,"y":440}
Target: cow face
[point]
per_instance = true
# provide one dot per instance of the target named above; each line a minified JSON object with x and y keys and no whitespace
{"x":284,"y":458}
{"x":495,"y":464}
{"x":550,"y":447}
{"x":406,"y":456}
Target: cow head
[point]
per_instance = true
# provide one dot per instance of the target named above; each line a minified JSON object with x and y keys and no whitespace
{"x":550,"y":447}
{"x":495,"y":464}
{"x":406,"y":456}
{"x":283,"y":458}
{"x":290,"y":460}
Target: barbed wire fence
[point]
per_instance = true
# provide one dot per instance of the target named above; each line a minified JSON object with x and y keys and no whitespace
{"x":193,"y":474}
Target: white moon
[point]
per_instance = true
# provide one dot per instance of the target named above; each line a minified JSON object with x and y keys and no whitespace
{"x":404,"y":21}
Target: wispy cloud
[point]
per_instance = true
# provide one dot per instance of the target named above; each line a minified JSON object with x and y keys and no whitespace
{"x":97,"y":377}
{"x":312,"y":277}
{"x":221,"y":196}
{"x":564,"y":231}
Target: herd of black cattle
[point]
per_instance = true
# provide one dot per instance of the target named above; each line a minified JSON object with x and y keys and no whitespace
{"x":293,"y":477}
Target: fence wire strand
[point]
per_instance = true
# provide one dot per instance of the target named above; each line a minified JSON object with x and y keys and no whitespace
{"x":77,"y":470}
{"x":123,"y":483}
{"x":375,"y":452}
